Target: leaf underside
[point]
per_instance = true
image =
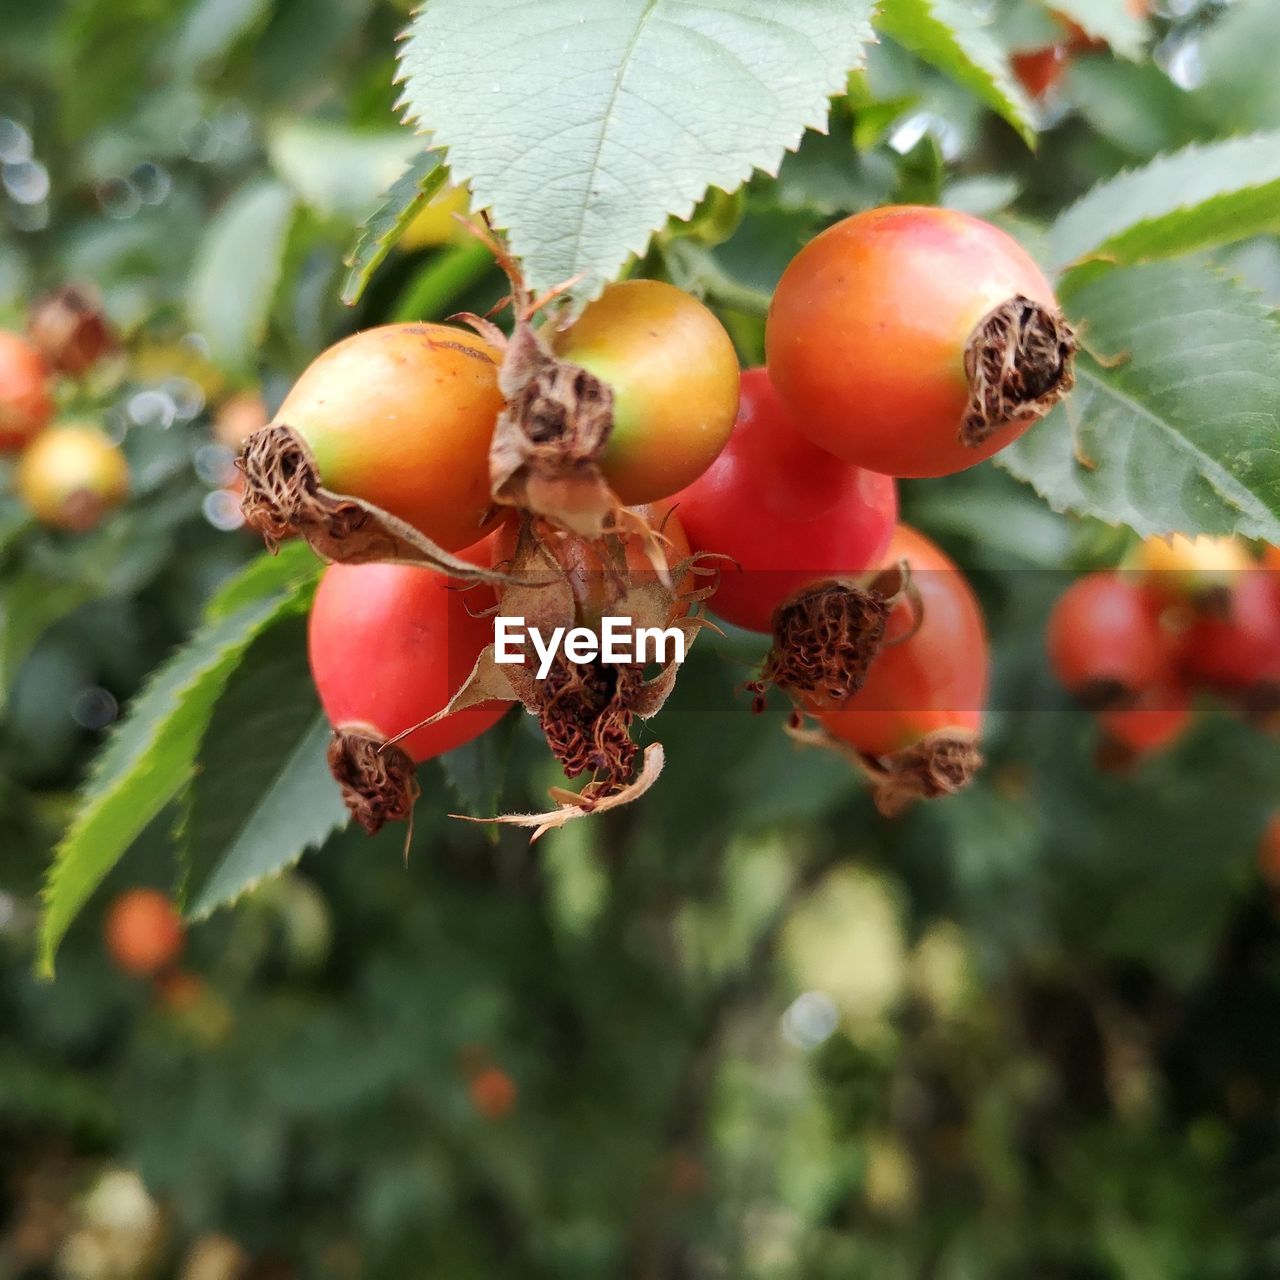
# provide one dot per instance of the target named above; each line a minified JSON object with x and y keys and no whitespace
{"x":589,"y":125}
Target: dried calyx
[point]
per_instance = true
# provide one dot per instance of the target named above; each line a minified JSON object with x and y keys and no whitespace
{"x":939,"y":764}
{"x":378,"y":781}
{"x":1020,"y":361}
{"x":70,"y":329}
{"x":549,"y":438}
{"x":826,"y":637}
{"x":283,"y":498}
{"x":586,"y":710}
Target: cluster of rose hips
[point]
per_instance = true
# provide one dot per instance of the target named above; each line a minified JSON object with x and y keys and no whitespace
{"x":1041,"y":70}
{"x":1183,"y":616}
{"x":620,"y":464}
{"x":69,"y":474}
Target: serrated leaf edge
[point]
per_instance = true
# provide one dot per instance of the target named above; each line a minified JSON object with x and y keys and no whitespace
{"x":814,"y":118}
{"x":1102,"y":189}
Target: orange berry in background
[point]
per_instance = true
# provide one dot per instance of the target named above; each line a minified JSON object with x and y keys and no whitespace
{"x":238,"y":417}
{"x":144,"y":933}
{"x":26,"y":401}
{"x":1040,"y":70}
{"x":72,"y":476}
{"x":180,"y":992}
{"x":493,"y":1093}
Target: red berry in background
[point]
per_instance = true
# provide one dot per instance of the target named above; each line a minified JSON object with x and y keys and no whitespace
{"x":1105,"y":640}
{"x":26,"y":400}
{"x":1155,"y":725}
{"x":1236,"y":651}
{"x":1041,"y":70}
{"x":493,"y":1093}
{"x":238,"y":417}
{"x":786,"y":512}
{"x":144,"y":933}
{"x":400,"y":417}
{"x":71,"y":330}
{"x":673,"y":372}
{"x":918,"y":717}
{"x":916,"y":341}
{"x":389,"y":646}
{"x":72,"y":477}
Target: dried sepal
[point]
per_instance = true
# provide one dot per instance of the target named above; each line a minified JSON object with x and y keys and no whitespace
{"x":826,"y":636}
{"x":1020,"y":361}
{"x":548,"y":439}
{"x":283,"y":497}
{"x":593,"y":798}
{"x":939,"y":764}
{"x":378,"y":780}
{"x":70,"y":329}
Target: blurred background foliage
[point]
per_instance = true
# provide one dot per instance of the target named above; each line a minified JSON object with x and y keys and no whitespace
{"x":745,"y":1028}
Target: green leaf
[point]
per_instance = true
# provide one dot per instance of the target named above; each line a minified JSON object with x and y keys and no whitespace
{"x":951,"y":37}
{"x":476,"y":771}
{"x":1183,"y":431}
{"x":339,"y":172}
{"x":1135,"y":106}
{"x":29,"y":605}
{"x":582,"y":128}
{"x":1239,"y":88}
{"x":213,"y":27}
{"x":409,"y":194}
{"x":150,"y":755}
{"x":1107,"y":20}
{"x":237,"y":269}
{"x":1197,"y":197}
{"x":262,"y":794}
{"x":294,"y":567}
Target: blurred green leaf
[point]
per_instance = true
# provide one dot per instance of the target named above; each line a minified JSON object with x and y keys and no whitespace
{"x":237,"y":269}
{"x":1198,"y":197}
{"x":546,"y":134}
{"x":262,"y":793}
{"x":29,"y":605}
{"x":1238,"y":87}
{"x":339,"y":172}
{"x":1135,"y":105}
{"x":213,"y":27}
{"x":409,"y":195}
{"x":950,"y":36}
{"x":477,"y":770}
{"x":1182,"y":431}
{"x":150,"y":755}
